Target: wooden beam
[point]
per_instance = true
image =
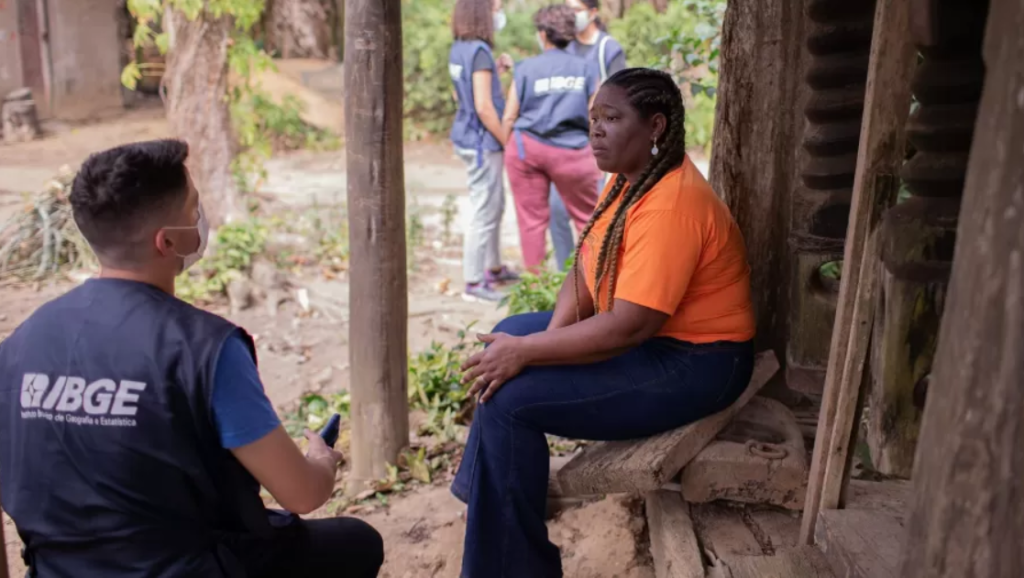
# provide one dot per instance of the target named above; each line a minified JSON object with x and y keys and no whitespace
{"x":967,"y":519}
{"x":376,"y":202}
{"x":646,"y":464}
{"x":886,"y":106}
{"x":674,"y":545}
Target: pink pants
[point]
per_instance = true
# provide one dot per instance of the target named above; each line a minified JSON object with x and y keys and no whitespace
{"x":573,"y":172}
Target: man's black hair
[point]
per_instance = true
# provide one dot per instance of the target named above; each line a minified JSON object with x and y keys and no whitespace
{"x":119,"y":193}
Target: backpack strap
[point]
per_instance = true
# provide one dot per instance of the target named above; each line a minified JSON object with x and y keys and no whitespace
{"x":601,"y":49}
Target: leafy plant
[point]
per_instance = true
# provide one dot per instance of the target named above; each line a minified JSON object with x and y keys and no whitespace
{"x":236,"y":244}
{"x":259,"y":123}
{"x":449,"y":210}
{"x":536,"y":292}
{"x":315,"y":409}
{"x":435,"y":384}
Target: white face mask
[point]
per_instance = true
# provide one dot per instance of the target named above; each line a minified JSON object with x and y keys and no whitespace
{"x":583,"y":20}
{"x":500,"y":20}
{"x":202,"y":227}
{"x":540,"y":42}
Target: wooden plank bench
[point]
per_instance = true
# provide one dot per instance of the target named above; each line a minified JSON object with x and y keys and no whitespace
{"x":645,"y":465}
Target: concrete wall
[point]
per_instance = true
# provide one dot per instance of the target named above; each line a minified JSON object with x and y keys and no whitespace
{"x":85,"y":55}
{"x":10,"y":51}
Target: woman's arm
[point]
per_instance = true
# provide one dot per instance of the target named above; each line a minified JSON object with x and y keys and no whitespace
{"x":565,"y":304}
{"x":596,"y":338}
{"x":484,"y":103}
{"x":511,"y":112}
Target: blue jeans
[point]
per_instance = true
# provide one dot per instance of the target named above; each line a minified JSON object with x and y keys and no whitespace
{"x":660,"y":385}
{"x":561,"y":231}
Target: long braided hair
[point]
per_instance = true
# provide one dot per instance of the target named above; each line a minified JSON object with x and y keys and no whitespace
{"x":649,"y":92}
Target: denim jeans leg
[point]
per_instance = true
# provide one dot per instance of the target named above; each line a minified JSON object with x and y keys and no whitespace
{"x":561,"y":231}
{"x":518,"y":325}
{"x":657,"y":386}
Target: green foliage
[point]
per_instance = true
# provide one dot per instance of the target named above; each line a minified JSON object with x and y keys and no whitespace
{"x":314,"y":410}
{"x":831,"y":270}
{"x":260,"y":124}
{"x":685,"y":42}
{"x":536,"y":292}
{"x":236,"y":244}
{"x":435,"y":384}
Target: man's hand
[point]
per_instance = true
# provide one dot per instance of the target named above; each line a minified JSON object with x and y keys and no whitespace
{"x":319,"y":452}
{"x":505,"y":63}
{"x":492,"y":367}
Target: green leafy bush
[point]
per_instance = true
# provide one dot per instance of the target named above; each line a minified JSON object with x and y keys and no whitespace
{"x":535,"y":292}
{"x":435,"y":384}
{"x":236,"y":244}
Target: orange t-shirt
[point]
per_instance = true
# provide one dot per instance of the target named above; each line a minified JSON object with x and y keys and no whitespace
{"x":682,"y":254}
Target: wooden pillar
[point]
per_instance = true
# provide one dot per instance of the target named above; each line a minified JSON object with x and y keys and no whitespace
{"x":968,"y":513}
{"x":838,"y":45}
{"x":918,"y":235}
{"x":886,"y":106}
{"x":376,"y":203}
{"x":757,"y":134}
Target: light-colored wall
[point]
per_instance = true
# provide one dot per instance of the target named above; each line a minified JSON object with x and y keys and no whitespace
{"x":10,"y":51}
{"x":85,"y":55}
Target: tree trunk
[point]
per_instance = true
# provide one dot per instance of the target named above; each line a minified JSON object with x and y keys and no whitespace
{"x":758,"y":127}
{"x":968,"y":514}
{"x":301,"y":28}
{"x":376,"y":201}
{"x":196,"y":84}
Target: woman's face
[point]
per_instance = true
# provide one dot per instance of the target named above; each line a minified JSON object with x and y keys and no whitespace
{"x":496,"y":6}
{"x":578,"y":6}
{"x":621,"y":138}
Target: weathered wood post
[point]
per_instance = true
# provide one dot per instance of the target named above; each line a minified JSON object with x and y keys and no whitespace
{"x":376,"y":203}
{"x":968,"y":514}
{"x":757,"y":134}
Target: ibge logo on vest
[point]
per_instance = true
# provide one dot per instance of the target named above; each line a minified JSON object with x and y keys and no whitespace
{"x":103,"y":402}
{"x":559,"y":84}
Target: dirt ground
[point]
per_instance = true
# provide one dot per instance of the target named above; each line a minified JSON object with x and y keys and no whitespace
{"x":302,"y":351}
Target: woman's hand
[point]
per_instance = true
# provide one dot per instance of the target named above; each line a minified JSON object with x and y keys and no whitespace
{"x":489,"y":369}
{"x":505,"y":63}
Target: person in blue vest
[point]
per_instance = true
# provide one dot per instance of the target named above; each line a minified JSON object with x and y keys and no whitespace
{"x":134,"y":430}
{"x":595,"y":44}
{"x":476,"y":135}
{"x":547,"y":120}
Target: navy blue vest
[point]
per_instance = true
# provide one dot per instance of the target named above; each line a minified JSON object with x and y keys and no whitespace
{"x":467,"y":130}
{"x":110,"y":463}
{"x":554,"y":90}
{"x":606,"y":44}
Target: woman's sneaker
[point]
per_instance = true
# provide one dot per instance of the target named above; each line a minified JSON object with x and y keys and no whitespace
{"x":481,"y":292}
{"x":503,"y":275}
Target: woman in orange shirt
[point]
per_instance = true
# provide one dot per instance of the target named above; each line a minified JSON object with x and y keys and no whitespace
{"x":652,"y":330}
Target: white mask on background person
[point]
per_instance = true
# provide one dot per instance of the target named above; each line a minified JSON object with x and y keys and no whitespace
{"x":583,"y":20}
{"x":202,"y":227}
{"x":540,"y":41}
{"x":500,"y":20}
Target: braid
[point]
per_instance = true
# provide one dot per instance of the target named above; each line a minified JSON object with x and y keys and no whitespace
{"x":649,"y":92}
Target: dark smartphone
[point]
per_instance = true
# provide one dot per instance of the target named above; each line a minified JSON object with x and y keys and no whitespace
{"x":330,"y":431}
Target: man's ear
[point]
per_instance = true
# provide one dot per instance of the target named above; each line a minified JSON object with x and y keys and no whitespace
{"x":163,"y":243}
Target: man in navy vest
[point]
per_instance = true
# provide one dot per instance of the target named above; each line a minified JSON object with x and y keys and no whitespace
{"x":134,"y":429}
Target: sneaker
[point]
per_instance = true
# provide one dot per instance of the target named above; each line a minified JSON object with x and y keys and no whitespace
{"x":503,"y":275}
{"x":481,"y":292}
